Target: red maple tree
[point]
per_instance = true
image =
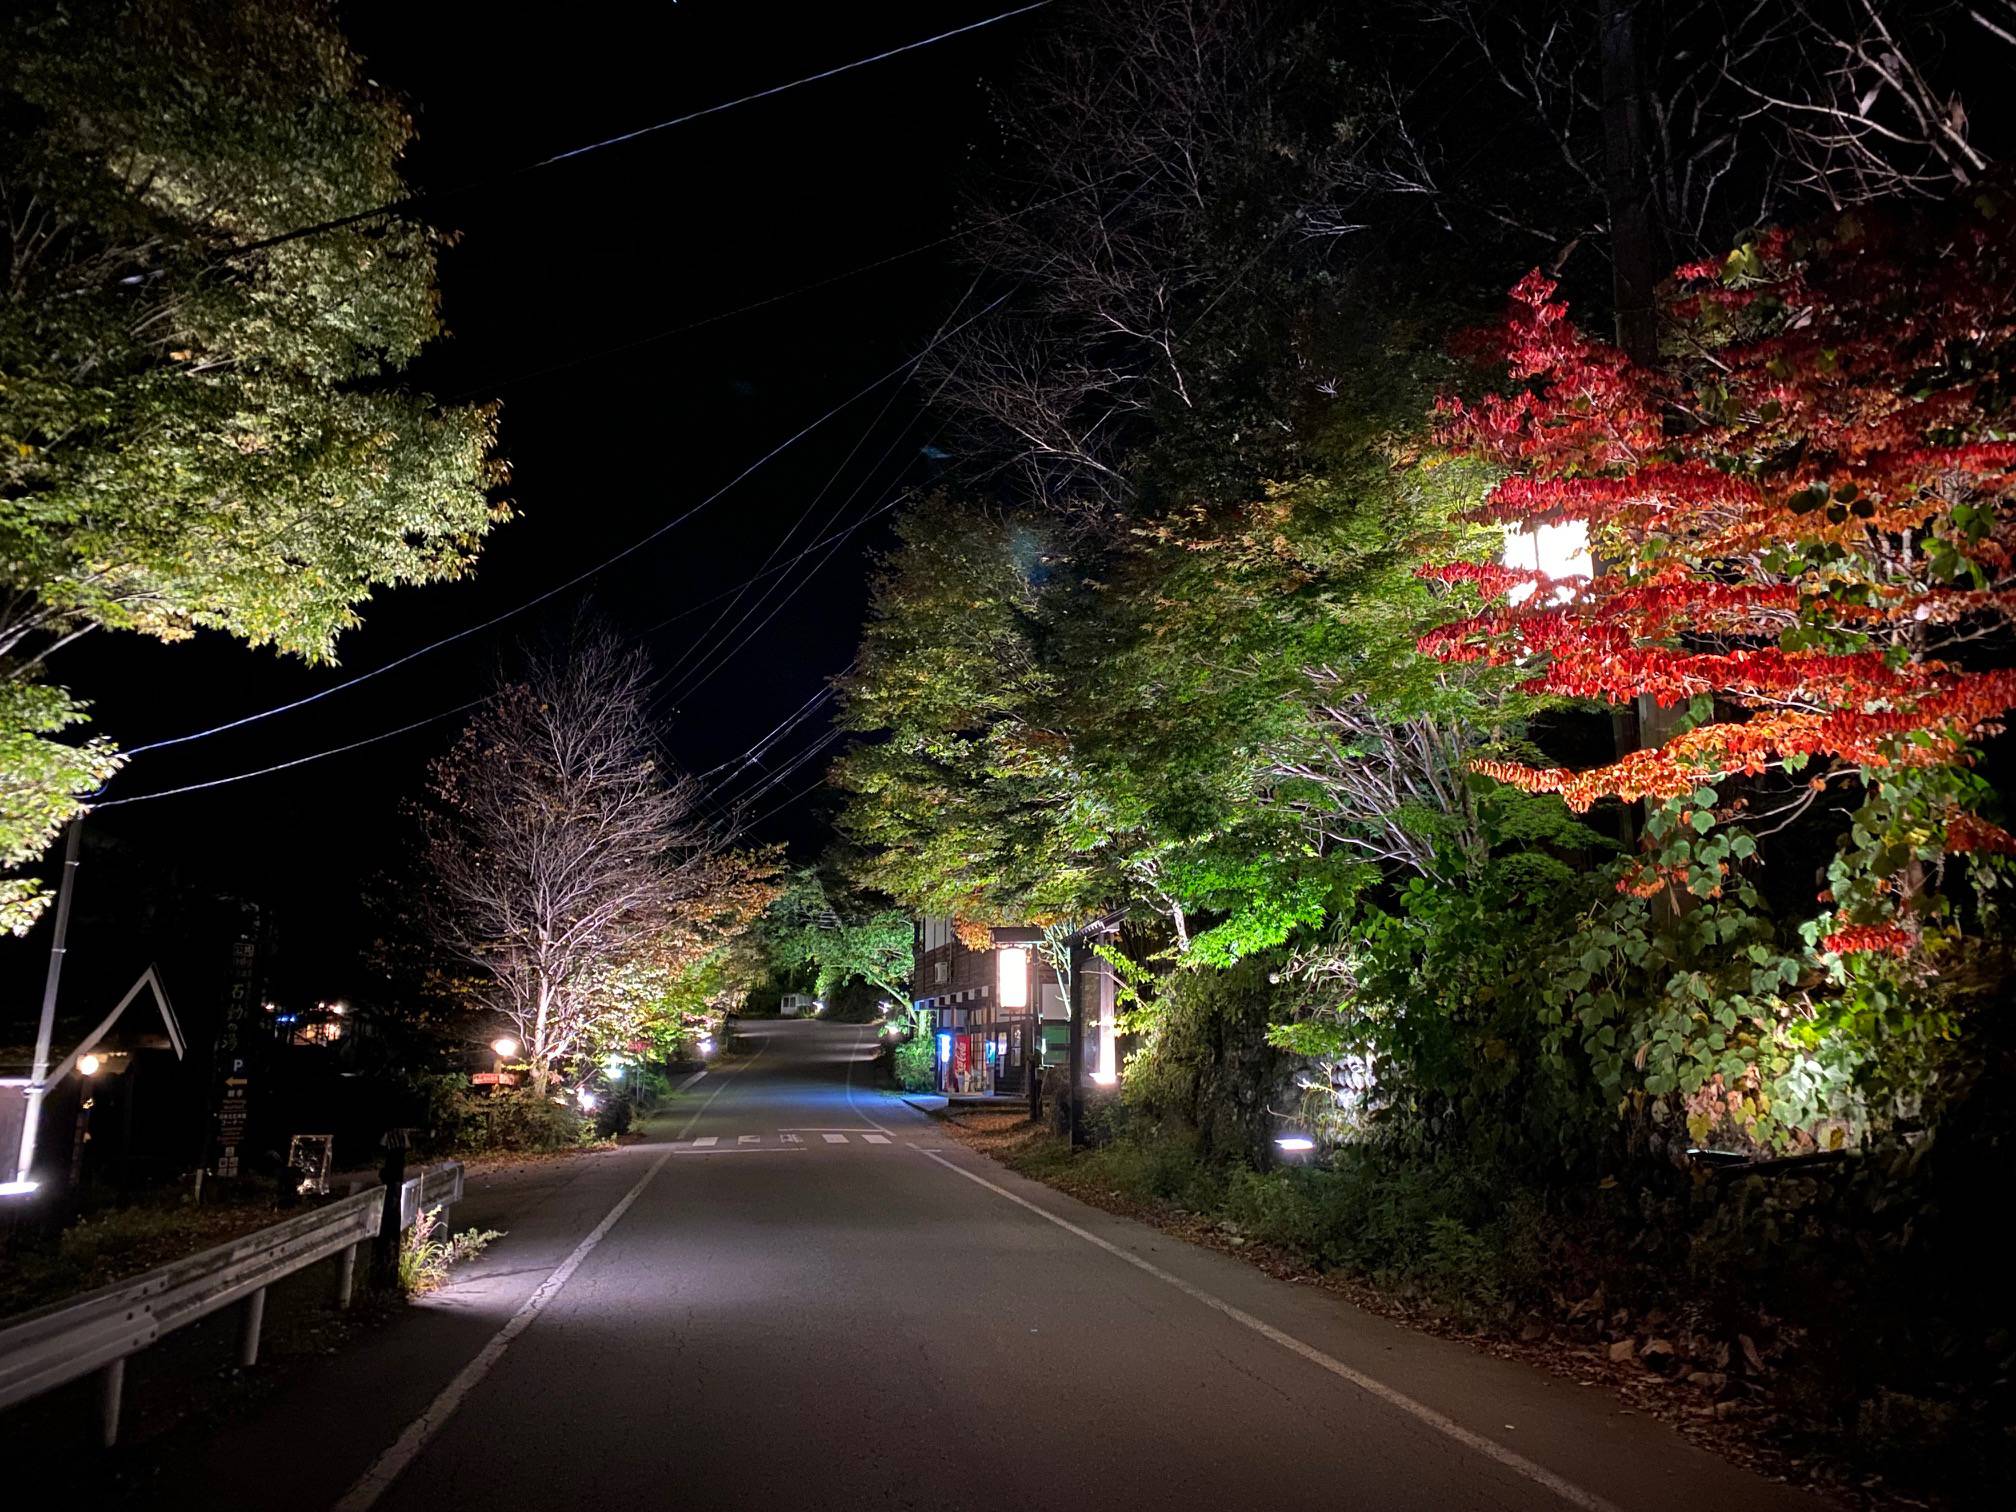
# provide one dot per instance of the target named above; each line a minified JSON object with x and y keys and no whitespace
{"x":1805,"y":512}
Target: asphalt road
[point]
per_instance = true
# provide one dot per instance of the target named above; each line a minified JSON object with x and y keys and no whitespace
{"x":798,"y":1294}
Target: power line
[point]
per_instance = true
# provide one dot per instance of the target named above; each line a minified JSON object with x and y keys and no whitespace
{"x":750,"y":824}
{"x":824,"y":692}
{"x":197,"y":787}
{"x":412,"y":202}
{"x":579,"y":577}
{"x":962,"y":234}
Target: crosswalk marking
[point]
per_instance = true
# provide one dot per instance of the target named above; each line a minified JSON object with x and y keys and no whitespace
{"x":834,"y":1138}
{"x":707,"y":1142}
{"x":792,"y":1139}
{"x":876,"y":1138}
{"x":750,"y":1139}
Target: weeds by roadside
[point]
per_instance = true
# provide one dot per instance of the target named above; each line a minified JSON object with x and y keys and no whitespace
{"x":427,"y":1252}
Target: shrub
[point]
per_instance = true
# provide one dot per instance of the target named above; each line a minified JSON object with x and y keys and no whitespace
{"x":916,"y":1057}
{"x":517,"y":1119}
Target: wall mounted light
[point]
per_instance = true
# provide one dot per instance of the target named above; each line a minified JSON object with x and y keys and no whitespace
{"x":1011,"y":976}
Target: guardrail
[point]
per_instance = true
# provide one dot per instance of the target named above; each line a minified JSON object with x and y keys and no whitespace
{"x":100,"y":1330}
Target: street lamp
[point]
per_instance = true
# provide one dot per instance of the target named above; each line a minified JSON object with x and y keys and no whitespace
{"x":505,"y":1049}
{"x":89,"y":1065}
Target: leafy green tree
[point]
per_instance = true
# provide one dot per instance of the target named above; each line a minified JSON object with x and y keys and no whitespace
{"x":840,"y":939}
{"x":955,"y":794}
{"x":200,"y":420}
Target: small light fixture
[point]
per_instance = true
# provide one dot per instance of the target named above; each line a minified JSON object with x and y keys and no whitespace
{"x":587,"y":1100}
{"x":90,"y":1065}
{"x":17,"y":1188}
{"x":1295,"y":1143}
{"x":505,"y":1047}
{"x":706,"y":1044}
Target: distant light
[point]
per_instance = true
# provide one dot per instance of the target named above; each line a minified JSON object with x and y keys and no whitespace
{"x":90,"y":1065}
{"x":614,"y":1070}
{"x":339,"y":1009}
{"x":587,"y":1100}
{"x":1295,"y":1142}
{"x":17,"y":1188}
{"x":706,"y":1044}
{"x":506,"y":1047}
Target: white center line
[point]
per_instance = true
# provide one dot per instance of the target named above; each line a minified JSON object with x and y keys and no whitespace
{"x":1518,"y":1464}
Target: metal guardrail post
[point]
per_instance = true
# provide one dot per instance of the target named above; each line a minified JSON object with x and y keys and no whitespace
{"x":111,"y":1396}
{"x":346,"y":1275}
{"x":249,"y":1324}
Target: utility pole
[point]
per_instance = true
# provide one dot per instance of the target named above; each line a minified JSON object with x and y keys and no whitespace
{"x":45,"y":1031}
{"x":1634,"y":257}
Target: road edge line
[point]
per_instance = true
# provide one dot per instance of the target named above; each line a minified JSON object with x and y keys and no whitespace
{"x":389,"y":1465}
{"x":1491,"y":1449}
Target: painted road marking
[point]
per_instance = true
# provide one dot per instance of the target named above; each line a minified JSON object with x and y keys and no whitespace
{"x":749,"y":1139}
{"x":707,"y":1142}
{"x":377,"y":1480}
{"x":876,"y":1138}
{"x":792,"y":1139}
{"x":1518,"y":1464}
{"x":834,"y":1138}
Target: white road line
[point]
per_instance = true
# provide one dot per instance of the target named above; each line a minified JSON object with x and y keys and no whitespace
{"x":876,"y":1138}
{"x":690,"y":1080}
{"x":834,"y":1138}
{"x":1518,"y":1464}
{"x":707,"y":1142}
{"x":792,"y":1139}
{"x":748,"y":1139}
{"x":386,"y":1469}
{"x":741,"y":1150}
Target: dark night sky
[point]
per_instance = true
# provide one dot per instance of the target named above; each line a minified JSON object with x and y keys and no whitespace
{"x":552,"y":271}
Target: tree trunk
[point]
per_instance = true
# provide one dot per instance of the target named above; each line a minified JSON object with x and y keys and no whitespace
{"x":541,"y":1062}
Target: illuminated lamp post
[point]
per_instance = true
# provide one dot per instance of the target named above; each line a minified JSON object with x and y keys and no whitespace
{"x":505,"y":1049}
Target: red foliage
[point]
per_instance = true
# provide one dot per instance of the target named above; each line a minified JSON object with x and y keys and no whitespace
{"x":1806,"y":512}
{"x":1870,"y":939}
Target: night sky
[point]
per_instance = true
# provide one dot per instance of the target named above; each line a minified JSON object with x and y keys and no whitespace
{"x":557,"y":297}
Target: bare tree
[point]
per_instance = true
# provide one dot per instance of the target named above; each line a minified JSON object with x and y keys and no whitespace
{"x":1151,"y":171}
{"x":1746,"y":105}
{"x":559,"y":845}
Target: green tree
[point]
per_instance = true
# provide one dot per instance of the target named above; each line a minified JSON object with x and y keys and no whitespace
{"x":200,"y":423}
{"x":840,"y":939}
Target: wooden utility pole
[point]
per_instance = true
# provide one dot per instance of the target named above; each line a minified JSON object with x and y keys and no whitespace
{"x":1627,"y":184}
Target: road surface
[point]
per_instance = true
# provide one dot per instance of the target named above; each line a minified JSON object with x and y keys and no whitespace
{"x":799,"y":1294}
